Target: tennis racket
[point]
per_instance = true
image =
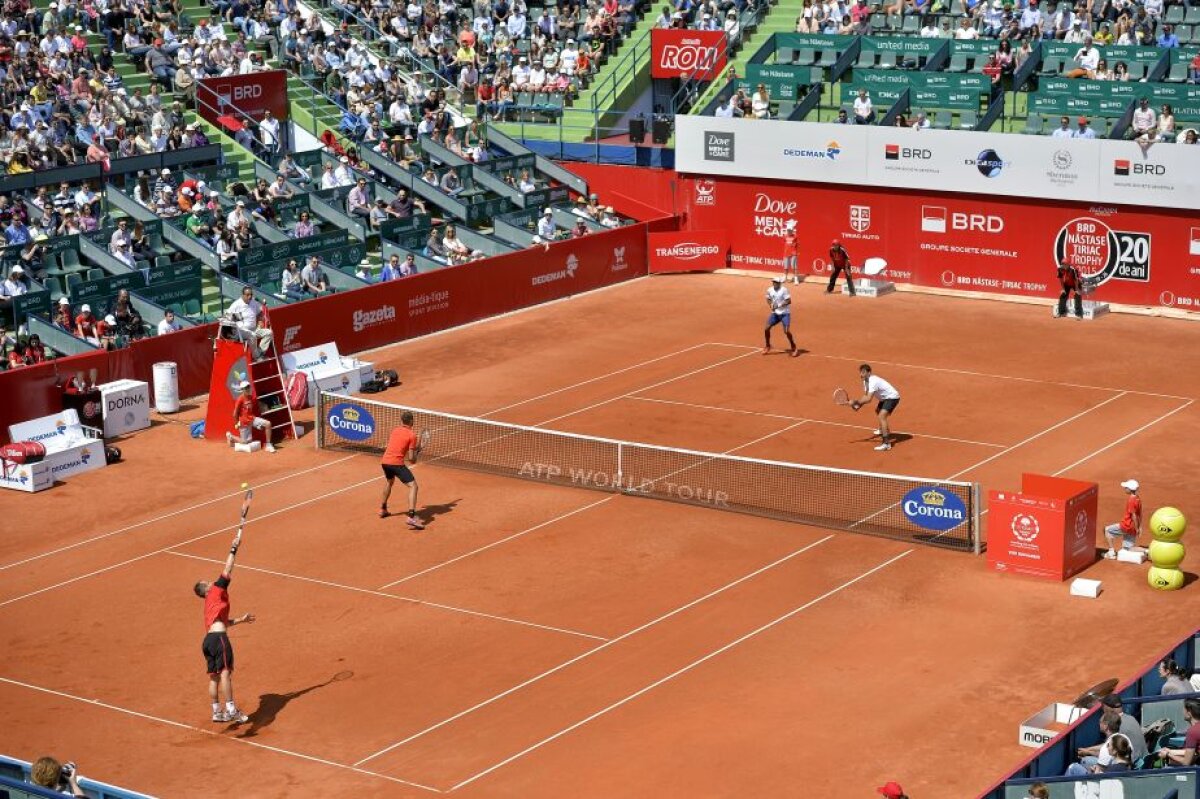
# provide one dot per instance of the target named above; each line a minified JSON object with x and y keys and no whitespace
{"x":422,"y":442}
{"x":246,"y":507}
{"x":841,"y":397}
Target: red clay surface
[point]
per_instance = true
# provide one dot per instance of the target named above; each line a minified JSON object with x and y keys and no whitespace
{"x":543,"y":641}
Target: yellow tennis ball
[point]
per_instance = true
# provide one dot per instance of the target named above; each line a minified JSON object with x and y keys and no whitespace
{"x":1165,"y":579}
{"x":1166,"y":554}
{"x":1168,"y":524}
{"x":245,"y":486}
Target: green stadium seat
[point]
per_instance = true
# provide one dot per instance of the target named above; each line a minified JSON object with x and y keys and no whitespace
{"x":828,"y":58}
{"x":1174,"y":15}
{"x":1186,"y":34}
{"x":1178,"y":72}
{"x":940,"y":119}
{"x":784,"y":55}
{"x":877,"y":22}
{"x":162,"y":260}
{"x":816,"y":75}
{"x":967,"y":120}
{"x":73,"y":282}
{"x":866,"y":59}
{"x":1051,"y":66}
{"x":1100,"y":125}
{"x":1192,"y":16}
{"x":1138,"y":70}
{"x":1034,"y":125}
{"x":55,"y":288}
{"x":786,"y":108}
{"x":69,"y":258}
{"x":804,"y":57}
{"x":958,"y":63}
{"x":887,"y":60}
{"x":191,"y":308}
{"x":911,"y":25}
{"x":95,"y":274}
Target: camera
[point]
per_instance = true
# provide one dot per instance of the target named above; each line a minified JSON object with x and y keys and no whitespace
{"x":68,"y":769}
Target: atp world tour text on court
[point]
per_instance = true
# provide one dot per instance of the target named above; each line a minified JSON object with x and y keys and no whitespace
{"x":594,"y":478}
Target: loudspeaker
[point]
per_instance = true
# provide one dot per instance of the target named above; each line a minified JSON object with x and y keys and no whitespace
{"x":662,"y":130}
{"x":637,"y":130}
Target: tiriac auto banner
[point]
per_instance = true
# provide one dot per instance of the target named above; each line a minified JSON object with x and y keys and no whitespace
{"x":989,"y":244}
{"x":431,"y":301}
{"x":680,"y":53}
{"x":688,"y":251}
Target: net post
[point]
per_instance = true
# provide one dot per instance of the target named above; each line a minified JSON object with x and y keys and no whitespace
{"x":620,"y":468}
{"x":320,"y":415}
{"x":976,"y":535}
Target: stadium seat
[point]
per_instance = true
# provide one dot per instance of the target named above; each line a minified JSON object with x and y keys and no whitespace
{"x":784,"y":55}
{"x":1174,"y":15}
{"x":866,"y":59}
{"x":910,"y":26}
{"x":73,"y":282}
{"x":877,"y":23}
{"x":192,"y":308}
{"x":1034,"y":125}
{"x":958,"y":63}
{"x":816,"y":75}
{"x":162,"y":260}
{"x":54,"y":287}
{"x":828,"y":58}
{"x":1138,"y":70}
{"x":1051,"y":66}
{"x":1192,"y":16}
{"x":804,"y":57}
{"x":940,"y":119}
{"x":1178,"y":72}
{"x":69,"y":259}
{"x":786,"y":108}
{"x":887,"y":60}
{"x":1100,"y":125}
{"x":967,"y":120}
{"x":95,"y":274}
{"x":1186,"y":34}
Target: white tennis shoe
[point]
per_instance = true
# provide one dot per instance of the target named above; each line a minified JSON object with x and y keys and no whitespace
{"x":883,"y":447}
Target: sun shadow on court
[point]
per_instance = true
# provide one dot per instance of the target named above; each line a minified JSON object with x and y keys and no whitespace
{"x":430,"y":512}
{"x":270,"y":705}
{"x":897,"y":438}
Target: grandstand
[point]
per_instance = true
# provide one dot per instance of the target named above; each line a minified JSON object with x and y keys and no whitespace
{"x":162,"y":158}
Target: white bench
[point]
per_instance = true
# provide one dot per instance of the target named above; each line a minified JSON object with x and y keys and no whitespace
{"x":328,"y":370}
{"x":71,"y":448}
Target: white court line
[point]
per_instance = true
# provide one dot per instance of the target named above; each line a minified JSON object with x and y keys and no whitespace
{"x":966,"y":372}
{"x":683,"y":670}
{"x":1123,"y":438}
{"x":806,"y":419}
{"x":172,"y":513}
{"x":486,"y":547}
{"x":212,"y":733}
{"x":644,"y":388}
{"x":412,"y":600}
{"x":226,"y":528}
{"x":593,"y":380}
{"x":591,"y":652}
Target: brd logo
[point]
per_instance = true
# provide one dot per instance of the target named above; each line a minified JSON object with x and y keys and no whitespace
{"x":351,"y":422}
{"x":934,"y":508}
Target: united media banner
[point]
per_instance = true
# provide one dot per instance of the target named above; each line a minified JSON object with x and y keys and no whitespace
{"x":688,"y":251}
{"x":988,"y":244}
{"x":680,"y":53}
{"x":425,"y":303}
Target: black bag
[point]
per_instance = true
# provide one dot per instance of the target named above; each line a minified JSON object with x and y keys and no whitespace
{"x":389,"y":377}
{"x":373,"y":386}
{"x":111,"y":454}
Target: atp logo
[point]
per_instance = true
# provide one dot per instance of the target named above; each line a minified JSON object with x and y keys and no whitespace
{"x":290,"y":334}
{"x":572,"y":265}
{"x":706,"y":192}
{"x":619,"y":263}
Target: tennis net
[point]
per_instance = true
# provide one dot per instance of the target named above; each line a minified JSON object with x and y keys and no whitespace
{"x":925,"y":510}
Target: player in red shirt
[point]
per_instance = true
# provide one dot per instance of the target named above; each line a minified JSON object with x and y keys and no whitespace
{"x":401,"y":447}
{"x":791,"y":252}
{"x":839,"y":261}
{"x":245,"y":422}
{"x":1130,"y":526}
{"x":1068,"y":278}
{"x":218,"y":652}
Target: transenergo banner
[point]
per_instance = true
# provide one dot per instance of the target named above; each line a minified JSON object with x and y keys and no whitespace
{"x":688,"y":251}
{"x":991,"y":244}
{"x":681,"y":53}
{"x":994,"y":164}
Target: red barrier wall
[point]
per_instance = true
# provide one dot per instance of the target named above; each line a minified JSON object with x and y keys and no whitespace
{"x":432,"y":301}
{"x":37,"y":390}
{"x":634,"y":191}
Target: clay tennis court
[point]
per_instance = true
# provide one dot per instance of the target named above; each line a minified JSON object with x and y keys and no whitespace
{"x":545,"y":641}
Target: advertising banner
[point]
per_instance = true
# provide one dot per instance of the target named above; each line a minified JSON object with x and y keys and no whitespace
{"x":992,"y":164}
{"x":680,"y":53}
{"x":248,"y":94}
{"x":989,"y":244}
{"x":1048,"y":529}
{"x":689,"y":251}
{"x":388,"y":312}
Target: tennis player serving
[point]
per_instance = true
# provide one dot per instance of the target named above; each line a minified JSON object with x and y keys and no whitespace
{"x":402,"y":449}
{"x":887,"y":397}
{"x":218,"y":651}
{"x":779,"y":300}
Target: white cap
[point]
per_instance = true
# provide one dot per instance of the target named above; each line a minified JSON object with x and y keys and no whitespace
{"x":243,"y":385}
{"x":536,"y":240}
{"x":547,"y":212}
{"x":110,"y":319}
{"x":213,"y":194}
{"x":1131,"y":485}
{"x":776,"y":279}
{"x":344,"y":160}
{"x":86,"y":308}
{"x":791,"y":224}
{"x":17,"y":270}
{"x":165,"y":171}
{"x":63,"y":301}
{"x":241,"y":203}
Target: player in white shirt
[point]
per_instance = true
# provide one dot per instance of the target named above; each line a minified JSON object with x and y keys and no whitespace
{"x":887,"y":398}
{"x":779,"y":300}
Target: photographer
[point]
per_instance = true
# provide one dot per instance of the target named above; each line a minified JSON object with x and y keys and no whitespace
{"x":62,"y":777}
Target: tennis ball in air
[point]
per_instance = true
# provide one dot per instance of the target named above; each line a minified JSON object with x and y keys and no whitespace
{"x":1165,"y":579}
{"x":1166,"y":554}
{"x":1168,"y":524}
{"x":245,"y":486}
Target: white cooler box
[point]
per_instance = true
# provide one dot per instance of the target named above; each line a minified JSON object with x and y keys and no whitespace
{"x":70,"y":447}
{"x":328,"y":370}
{"x":126,"y":406}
